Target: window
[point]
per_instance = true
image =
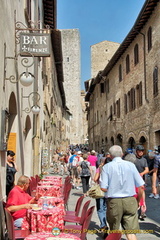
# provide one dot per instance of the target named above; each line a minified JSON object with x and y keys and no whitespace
{"x":120,"y":73}
{"x":118,"y":108}
{"x":155,"y":81}
{"x":125,"y":103}
{"x":139,"y":94}
{"x":101,"y":87}
{"x":133,"y":104}
{"x":127,"y":64}
{"x":149,"y":38}
{"x":111,"y":114}
{"x":136,"y":54}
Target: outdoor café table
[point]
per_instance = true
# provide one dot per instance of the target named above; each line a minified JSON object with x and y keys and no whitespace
{"x":50,"y":182}
{"x":50,"y":236}
{"x":54,"y":177}
{"x":53,"y":201}
{"x":43,"y":220}
{"x":49,"y":190}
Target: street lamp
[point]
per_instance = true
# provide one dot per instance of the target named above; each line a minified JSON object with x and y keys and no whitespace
{"x":33,"y":99}
{"x":26,"y":78}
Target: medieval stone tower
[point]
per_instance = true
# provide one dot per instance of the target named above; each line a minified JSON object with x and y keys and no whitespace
{"x":72,"y":79}
{"x":101,"y":53}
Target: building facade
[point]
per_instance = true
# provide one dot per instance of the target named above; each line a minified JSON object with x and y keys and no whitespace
{"x":124,"y":97}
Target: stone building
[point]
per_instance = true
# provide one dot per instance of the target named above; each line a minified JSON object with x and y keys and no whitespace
{"x":124,"y":97}
{"x":33,"y":137}
{"x":72,"y":80}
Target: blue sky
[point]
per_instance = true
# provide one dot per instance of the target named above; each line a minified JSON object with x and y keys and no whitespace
{"x":97,"y":21}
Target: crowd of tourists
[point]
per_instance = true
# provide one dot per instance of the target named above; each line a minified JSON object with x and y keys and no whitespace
{"x":125,"y":180}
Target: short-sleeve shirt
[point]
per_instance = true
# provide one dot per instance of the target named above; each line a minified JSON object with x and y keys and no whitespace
{"x":120,"y":178}
{"x":18,"y":197}
{"x":141,"y":164}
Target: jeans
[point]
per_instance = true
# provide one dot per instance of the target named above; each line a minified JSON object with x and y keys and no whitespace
{"x":101,"y":211}
{"x":18,"y":222}
{"x":85,"y":183}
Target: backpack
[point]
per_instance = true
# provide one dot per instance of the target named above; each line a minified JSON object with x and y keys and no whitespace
{"x":85,"y":169}
{"x":74,"y":162}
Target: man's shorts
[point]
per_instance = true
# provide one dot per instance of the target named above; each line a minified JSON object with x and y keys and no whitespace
{"x":122,"y":211}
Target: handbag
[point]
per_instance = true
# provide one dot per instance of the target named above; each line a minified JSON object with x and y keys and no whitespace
{"x":95,"y":192}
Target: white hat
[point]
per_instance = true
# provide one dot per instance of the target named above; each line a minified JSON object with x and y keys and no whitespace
{"x":79,"y":152}
{"x":93,"y":151}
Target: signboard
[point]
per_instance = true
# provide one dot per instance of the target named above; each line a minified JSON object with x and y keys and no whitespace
{"x":38,"y":44}
{"x":12,"y":142}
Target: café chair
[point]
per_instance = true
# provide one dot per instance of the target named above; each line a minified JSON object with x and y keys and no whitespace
{"x":66,"y":194}
{"x":14,"y":234}
{"x":81,"y":230}
{"x":114,"y":236}
{"x":77,"y":207}
{"x":76,"y":219}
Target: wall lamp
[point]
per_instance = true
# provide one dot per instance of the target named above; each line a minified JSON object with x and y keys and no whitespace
{"x":26,"y":78}
{"x":33,"y":99}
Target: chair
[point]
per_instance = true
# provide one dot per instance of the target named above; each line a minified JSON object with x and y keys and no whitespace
{"x":66,"y":194}
{"x":37,"y":179}
{"x":14,"y":234}
{"x":77,"y":208}
{"x":76,"y":219}
{"x":114,"y":236}
{"x":81,"y":230}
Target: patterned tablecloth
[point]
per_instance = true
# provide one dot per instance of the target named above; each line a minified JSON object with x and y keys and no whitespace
{"x":49,"y":190}
{"x":50,"y":182}
{"x":43,"y":220}
{"x":54,"y":201}
{"x":50,"y":236}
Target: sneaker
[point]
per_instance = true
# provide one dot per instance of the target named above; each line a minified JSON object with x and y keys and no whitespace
{"x":156,"y":196}
{"x":151,"y":195}
{"x":78,"y":188}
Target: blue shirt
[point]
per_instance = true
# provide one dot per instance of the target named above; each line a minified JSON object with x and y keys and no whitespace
{"x":120,"y":178}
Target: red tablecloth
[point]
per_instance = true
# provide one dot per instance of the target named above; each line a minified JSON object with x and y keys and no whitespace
{"x":43,"y":220}
{"x":54,"y":201}
{"x":53,"y":191}
{"x":55,"y":183}
{"x":50,"y":236}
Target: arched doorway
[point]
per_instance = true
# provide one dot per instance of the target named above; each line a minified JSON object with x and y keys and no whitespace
{"x":131,"y":143}
{"x":112,"y":141}
{"x":119,"y":139}
{"x":143,"y":142}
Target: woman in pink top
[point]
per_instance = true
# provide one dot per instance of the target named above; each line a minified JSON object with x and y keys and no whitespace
{"x":92,"y":159}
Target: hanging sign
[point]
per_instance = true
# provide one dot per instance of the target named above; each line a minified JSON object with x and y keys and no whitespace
{"x":36,"y":44}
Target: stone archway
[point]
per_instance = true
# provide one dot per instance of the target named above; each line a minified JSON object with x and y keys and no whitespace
{"x":143,"y":141}
{"x":12,"y":113}
{"x":131,"y":143}
{"x":119,"y":139}
{"x":112,"y":141}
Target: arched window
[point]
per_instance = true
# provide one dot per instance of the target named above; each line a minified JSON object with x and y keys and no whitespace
{"x":136,"y":54}
{"x":127,"y":64}
{"x":149,"y":38}
{"x":155,"y":81}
